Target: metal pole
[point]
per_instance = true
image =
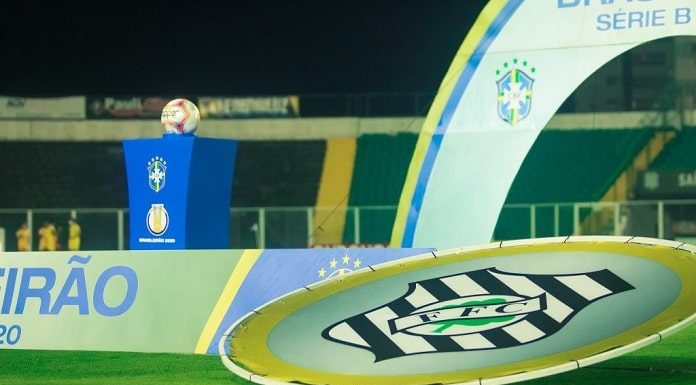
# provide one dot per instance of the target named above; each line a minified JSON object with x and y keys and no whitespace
{"x":356,"y":225}
{"x":660,"y":219}
{"x":30,"y":226}
{"x":310,"y":228}
{"x":119,"y":226}
{"x":576,"y":219}
{"x":262,"y":228}
{"x":617,"y":218}
{"x":556,"y":219}
{"x":532,"y":221}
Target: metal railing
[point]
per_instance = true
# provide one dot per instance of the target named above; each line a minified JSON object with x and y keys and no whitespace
{"x":669,"y":219}
{"x":295,"y":227}
{"x":250,"y":227}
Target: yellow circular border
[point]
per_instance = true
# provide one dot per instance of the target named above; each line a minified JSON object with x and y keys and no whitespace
{"x":250,"y":351}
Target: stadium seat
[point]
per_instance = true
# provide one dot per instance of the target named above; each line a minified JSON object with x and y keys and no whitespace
{"x":381,"y":163}
{"x":678,"y":154}
{"x":53,"y":175}
{"x":567,"y":166}
{"x":277,"y":173}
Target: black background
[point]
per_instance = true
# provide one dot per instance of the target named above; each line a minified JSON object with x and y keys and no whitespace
{"x":228,"y":48}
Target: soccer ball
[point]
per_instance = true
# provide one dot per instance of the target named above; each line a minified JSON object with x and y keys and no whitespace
{"x":180,"y":116}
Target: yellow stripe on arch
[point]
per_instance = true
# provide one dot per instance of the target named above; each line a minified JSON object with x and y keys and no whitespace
{"x":246,"y":262}
{"x":472,"y":40}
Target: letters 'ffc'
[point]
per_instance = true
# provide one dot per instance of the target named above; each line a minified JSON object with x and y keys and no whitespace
{"x":476,"y":310}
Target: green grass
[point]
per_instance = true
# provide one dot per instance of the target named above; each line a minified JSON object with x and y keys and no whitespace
{"x":83,"y":368}
{"x":670,"y":362}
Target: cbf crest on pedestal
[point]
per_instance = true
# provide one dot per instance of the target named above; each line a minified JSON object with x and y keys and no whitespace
{"x":157,"y":173}
{"x":179,"y":186}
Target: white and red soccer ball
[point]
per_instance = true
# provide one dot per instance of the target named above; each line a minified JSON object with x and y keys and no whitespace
{"x":180,"y":116}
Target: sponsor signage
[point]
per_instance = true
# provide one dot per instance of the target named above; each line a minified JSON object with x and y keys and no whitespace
{"x":505,"y":311}
{"x":72,"y":107}
{"x":667,"y":184}
{"x":125,"y":107}
{"x":251,"y":107}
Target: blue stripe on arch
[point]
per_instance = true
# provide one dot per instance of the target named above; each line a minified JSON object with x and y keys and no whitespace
{"x":450,"y":107}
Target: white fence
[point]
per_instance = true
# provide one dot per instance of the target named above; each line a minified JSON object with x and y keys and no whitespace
{"x":295,"y":227}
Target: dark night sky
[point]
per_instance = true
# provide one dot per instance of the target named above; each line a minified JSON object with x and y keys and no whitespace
{"x":231,"y":48}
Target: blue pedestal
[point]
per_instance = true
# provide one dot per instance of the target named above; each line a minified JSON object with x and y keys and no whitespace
{"x":179,"y":190}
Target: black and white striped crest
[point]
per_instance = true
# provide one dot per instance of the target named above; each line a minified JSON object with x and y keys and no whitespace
{"x":477,"y":310}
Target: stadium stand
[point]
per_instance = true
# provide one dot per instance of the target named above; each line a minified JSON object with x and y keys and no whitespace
{"x":329,"y":217}
{"x":62,"y":175}
{"x":380,"y":169}
{"x":563,"y":166}
{"x":53,"y":174}
{"x":575,"y":165}
{"x":567,"y":166}
{"x":678,"y":154}
{"x":277,"y":173}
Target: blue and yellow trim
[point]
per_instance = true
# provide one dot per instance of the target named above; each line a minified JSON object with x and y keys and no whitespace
{"x":485,"y":30}
{"x":234,"y":282}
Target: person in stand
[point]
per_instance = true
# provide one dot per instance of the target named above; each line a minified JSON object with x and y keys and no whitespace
{"x":43,"y":235}
{"x":48,"y":237}
{"x":52,"y":244}
{"x":23,"y":237}
{"x":74,"y":235}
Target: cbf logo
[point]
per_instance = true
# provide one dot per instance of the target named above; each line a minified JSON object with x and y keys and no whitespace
{"x":476,"y":310}
{"x":157,"y":173}
{"x":157,"y":219}
{"x":515,"y":91}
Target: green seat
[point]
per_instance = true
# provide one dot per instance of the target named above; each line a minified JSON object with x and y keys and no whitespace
{"x":62,"y":175}
{"x":567,"y":166}
{"x":381,"y":163}
{"x":277,"y":173}
{"x":678,"y":154}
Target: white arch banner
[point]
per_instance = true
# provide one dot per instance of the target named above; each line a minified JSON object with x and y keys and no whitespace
{"x":517,"y":65}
